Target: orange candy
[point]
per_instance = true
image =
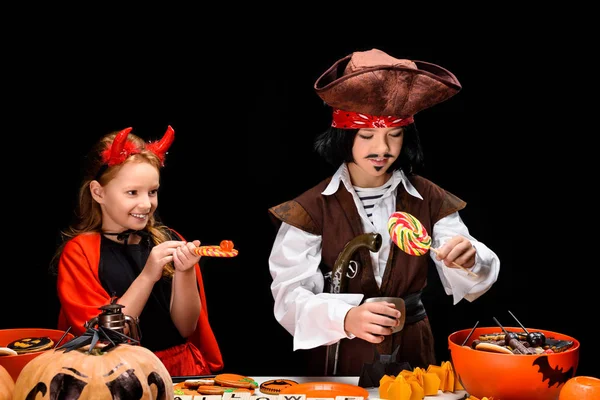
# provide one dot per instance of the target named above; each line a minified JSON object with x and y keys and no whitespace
{"x":226,"y":245}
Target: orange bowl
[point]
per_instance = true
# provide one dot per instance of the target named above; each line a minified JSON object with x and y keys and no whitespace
{"x":512,"y":376}
{"x":15,"y":363}
{"x":581,"y":388}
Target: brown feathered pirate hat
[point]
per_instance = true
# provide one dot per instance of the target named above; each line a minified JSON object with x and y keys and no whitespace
{"x":373,"y":89}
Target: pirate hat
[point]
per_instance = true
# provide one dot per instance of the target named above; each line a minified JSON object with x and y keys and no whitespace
{"x":374,"y":83}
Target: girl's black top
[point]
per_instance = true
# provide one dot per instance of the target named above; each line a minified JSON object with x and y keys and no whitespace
{"x":119,"y":265}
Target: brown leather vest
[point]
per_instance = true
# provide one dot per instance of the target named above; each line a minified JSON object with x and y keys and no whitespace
{"x":336,"y":219}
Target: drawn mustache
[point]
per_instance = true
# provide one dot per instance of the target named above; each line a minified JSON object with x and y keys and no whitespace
{"x":386,"y":155}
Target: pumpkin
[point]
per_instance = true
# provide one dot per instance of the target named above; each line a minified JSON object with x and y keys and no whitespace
{"x":7,"y":385}
{"x":581,"y":388}
{"x":123,"y":372}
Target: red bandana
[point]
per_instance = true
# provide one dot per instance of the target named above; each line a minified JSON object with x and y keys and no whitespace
{"x":353,"y":120}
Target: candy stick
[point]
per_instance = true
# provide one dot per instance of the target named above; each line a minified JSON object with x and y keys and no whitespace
{"x":214,"y":251}
{"x":468,"y":271}
{"x":410,"y":235}
{"x":512,"y":339}
{"x":225,"y":249}
{"x":65,"y":334}
{"x":470,"y":333}
{"x":535,"y":339}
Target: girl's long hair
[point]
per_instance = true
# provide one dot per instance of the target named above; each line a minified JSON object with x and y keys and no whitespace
{"x":88,"y":214}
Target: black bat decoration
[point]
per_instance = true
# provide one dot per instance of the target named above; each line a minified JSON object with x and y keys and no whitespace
{"x":94,"y":335}
{"x":554,"y":375}
{"x":383,"y":364}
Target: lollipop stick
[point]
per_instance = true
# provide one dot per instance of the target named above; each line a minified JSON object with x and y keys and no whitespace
{"x":468,"y":271}
{"x":520,"y":324}
{"x":470,"y":333}
{"x":65,"y":334}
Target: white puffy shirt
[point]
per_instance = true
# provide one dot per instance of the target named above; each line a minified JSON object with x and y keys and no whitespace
{"x":315,"y":318}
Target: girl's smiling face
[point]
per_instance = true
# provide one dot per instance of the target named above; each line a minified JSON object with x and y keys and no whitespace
{"x":129,"y":198}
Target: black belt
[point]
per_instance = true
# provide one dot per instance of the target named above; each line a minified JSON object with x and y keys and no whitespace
{"x":415,"y":310}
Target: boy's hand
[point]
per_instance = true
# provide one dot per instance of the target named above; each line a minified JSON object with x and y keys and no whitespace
{"x":372,"y":321}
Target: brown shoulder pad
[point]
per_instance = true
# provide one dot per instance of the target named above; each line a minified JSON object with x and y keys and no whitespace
{"x":450,"y":204}
{"x":292,"y":213}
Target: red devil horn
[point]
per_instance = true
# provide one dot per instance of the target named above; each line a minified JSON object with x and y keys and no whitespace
{"x":160,"y":148}
{"x":117,"y":147}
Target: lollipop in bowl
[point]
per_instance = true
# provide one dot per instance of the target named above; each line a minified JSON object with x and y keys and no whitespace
{"x":512,"y":375}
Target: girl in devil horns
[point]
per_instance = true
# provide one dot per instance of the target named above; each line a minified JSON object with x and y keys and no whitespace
{"x":116,"y":250}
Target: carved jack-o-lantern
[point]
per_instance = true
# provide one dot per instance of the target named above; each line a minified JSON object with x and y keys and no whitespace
{"x":123,"y":372}
{"x":7,"y":385}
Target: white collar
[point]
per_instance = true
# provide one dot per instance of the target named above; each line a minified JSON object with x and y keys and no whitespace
{"x":343,"y":175}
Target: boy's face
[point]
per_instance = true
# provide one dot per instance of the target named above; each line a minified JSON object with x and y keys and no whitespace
{"x":130,"y":198}
{"x":373,"y":151}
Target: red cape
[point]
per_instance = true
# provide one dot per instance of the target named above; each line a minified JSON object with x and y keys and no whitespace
{"x":81,"y":295}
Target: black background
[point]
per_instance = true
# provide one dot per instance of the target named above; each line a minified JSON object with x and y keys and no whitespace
{"x":512,"y":144}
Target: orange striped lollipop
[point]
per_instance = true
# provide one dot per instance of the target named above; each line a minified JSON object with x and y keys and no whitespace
{"x":408,"y":233}
{"x":225,"y":249}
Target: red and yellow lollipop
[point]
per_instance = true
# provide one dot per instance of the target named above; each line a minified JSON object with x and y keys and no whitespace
{"x":411,"y":236}
{"x":225,"y":249}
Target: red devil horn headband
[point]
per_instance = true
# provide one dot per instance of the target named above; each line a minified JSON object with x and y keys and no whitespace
{"x":160,"y":148}
{"x":117,"y":152}
{"x":121,"y":148}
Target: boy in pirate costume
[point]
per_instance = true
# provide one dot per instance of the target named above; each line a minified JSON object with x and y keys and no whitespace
{"x":374,"y":142}
{"x":117,"y":247}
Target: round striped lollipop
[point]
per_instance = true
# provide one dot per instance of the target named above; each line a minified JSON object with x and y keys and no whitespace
{"x":408,"y":233}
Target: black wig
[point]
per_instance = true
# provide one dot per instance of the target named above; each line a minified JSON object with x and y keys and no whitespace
{"x":335,"y":146}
